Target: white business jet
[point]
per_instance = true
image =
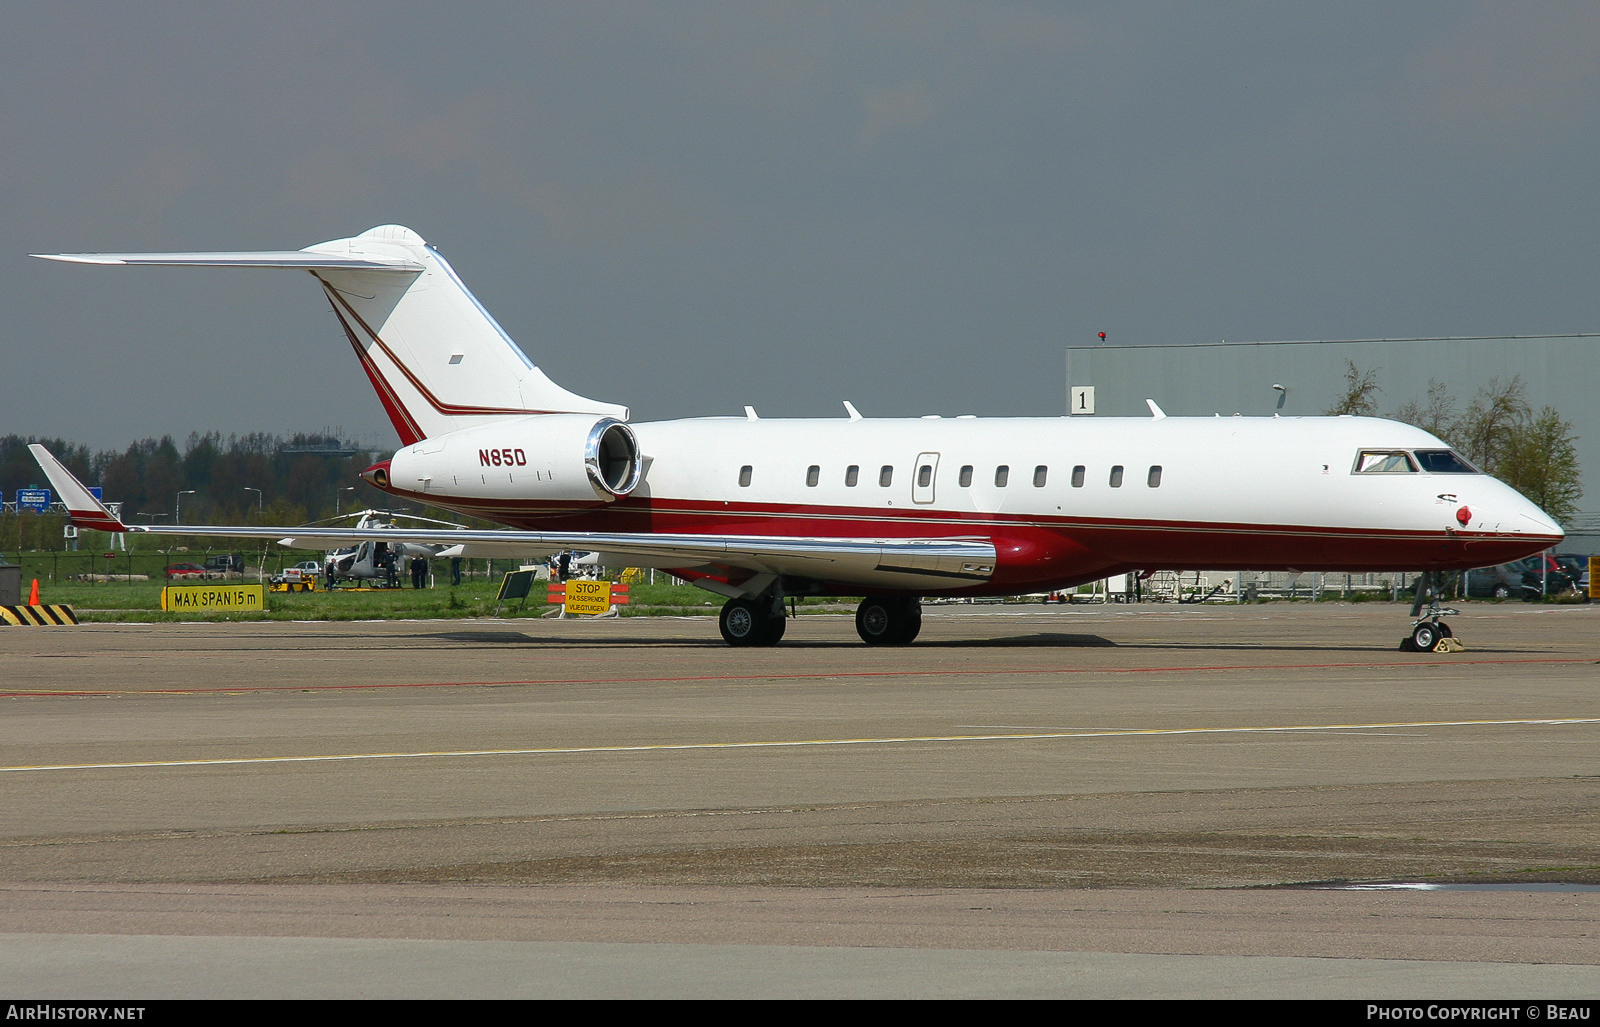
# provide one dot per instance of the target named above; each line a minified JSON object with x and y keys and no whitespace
{"x":891,"y":509}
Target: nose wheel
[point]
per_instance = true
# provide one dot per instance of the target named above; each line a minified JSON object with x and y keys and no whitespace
{"x":1428,"y":636}
{"x":1429,"y":633}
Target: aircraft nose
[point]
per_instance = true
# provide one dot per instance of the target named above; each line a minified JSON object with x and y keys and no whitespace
{"x":1540,"y":523}
{"x":1529,"y":519}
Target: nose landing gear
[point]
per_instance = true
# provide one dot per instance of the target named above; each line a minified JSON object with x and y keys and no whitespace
{"x":1429,"y":632}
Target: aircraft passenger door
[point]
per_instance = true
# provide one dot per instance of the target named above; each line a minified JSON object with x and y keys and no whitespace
{"x":923,"y":475}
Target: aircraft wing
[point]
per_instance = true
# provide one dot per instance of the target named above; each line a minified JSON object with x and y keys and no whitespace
{"x":902,"y":563}
{"x":881,"y":563}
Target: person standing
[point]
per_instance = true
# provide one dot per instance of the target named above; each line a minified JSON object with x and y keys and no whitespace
{"x":419,"y":572}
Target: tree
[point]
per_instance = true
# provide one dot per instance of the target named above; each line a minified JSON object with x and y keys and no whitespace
{"x":1436,"y":416}
{"x":1540,"y":461}
{"x":1360,"y":392}
{"x":1495,"y":415}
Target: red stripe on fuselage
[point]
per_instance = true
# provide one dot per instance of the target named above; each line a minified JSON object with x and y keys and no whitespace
{"x":1035,"y":552}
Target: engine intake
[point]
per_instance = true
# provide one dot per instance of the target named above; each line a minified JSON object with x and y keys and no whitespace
{"x":611,"y":456}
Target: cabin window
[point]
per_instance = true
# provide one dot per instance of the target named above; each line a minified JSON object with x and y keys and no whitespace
{"x":1002,"y":474}
{"x":924,"y":476}
{"x":852,"y":474}
{"x":966,"y":476}
{"x":813,"y":473}
{"x":1384,"y":461}
{"x":1077,"y":477}
{"x":1040,"y":473}
{"x":886,"y":475}
{"x":1444,"y":461}
{"x":1154,"y":481}
{"x":744,"y":476}
{"x":1116,"y":477}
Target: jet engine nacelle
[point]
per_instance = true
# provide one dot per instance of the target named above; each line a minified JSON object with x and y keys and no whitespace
{"x":567,"y":458}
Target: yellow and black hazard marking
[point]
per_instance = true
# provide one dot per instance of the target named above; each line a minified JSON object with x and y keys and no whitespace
{"x":41,"y":615}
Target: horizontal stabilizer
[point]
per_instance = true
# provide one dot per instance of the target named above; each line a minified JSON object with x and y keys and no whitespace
{"x":308,"y":260}
{"x":86,"y":511}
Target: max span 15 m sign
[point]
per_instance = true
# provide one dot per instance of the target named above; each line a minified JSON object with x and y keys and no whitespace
{"x":213,"y":598}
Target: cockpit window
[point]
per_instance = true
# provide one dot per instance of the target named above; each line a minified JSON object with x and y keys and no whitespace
{"x":1384,"y":461}
{"x":1444,"y":461}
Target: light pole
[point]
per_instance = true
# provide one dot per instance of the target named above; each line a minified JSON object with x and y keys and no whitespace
{"x":259,"y":499}
{"x":337,"y":496}
{"x":177,"y":511}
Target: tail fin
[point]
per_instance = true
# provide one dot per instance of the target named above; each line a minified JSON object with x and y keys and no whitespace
{"x":436,"y":358}
{"x":86,"y":511}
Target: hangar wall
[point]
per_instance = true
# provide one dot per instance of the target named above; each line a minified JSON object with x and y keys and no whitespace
{"x":1227,"y":378}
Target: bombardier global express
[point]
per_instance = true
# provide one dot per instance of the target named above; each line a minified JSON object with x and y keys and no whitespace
{"x":889,"y":509}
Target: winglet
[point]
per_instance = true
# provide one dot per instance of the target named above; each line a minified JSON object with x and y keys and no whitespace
{"x":1155,"y":411}
{"x":86,"y":511}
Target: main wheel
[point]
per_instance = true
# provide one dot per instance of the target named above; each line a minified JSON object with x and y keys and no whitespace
{"x":741,"y":623}
{"x":890,"y":620}
{"x":1426,"y":636}
{"x":911,"y":623}
{"x":748,"y":622}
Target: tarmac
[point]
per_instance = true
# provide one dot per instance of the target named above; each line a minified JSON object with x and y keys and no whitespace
{"x":1082,"y":801}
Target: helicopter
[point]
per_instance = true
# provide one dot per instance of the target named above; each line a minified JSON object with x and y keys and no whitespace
{"x":376,"y":560}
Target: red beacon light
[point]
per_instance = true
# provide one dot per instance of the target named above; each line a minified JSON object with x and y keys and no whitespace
{"x":1464,"y":515}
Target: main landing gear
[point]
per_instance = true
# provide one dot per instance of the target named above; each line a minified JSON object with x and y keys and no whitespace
{"x":1429,"y":632}
{"x":758,"y":621}
{"x":880,"y":620}
{"x":888,"y":620}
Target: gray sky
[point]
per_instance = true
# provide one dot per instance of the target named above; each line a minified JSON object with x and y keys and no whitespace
{"x":689,"y":207}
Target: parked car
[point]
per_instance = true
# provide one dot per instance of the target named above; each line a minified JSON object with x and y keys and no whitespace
{"x":224,"y":564}
{"x":185,"y":570}
{"x":1500,"y":582}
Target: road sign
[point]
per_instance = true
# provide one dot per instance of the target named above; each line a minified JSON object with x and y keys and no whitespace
{"x":213,"y":598}
{"x":97,"y":492}
{"x":590,"y":597}
{"x":37,"y":500}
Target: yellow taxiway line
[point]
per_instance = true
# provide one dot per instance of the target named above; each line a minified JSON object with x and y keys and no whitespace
{"x":799,"y":743}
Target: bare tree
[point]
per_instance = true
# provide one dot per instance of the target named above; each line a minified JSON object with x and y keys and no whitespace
{"x":1436,"y":415}
{"x":1492,"y":419}
{"x":1360,"y":392}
